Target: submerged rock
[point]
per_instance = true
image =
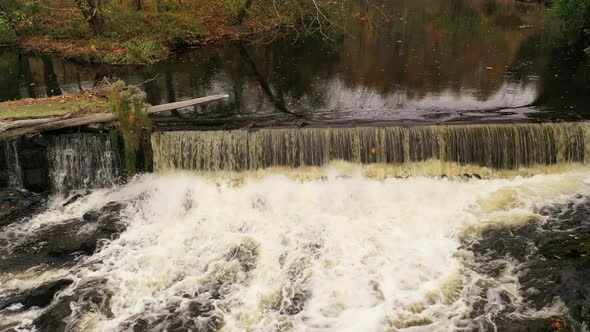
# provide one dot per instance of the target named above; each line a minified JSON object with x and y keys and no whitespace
{"x":40,"y":296}
{"x":61,"y":244}
{"x":551,"y":324}
{"x":90,"y":297}
{"x":16,"y":204}
{"x":551,"y":261}
{"x":183,"y":314}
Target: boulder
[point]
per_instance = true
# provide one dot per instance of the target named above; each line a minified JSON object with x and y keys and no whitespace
{"x":40,"y":296}
{"x":90,"y":297}
{"x":16,"y":204}
{"x":60,"y":244}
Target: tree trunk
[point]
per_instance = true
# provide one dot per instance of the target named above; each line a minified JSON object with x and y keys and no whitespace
{"x":243,"y":12}
{"x":27,"y":127}
{"x":91,"y":13}
{"x":137,"y":4}
{"x":278,"y":102}
{"x":50,"y":78}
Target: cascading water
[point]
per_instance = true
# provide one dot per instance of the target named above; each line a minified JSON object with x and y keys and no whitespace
{"x":12,"y":164}
{"x":336,"y":247}
{"x":492,"y":146}
{"x":81,"y":161}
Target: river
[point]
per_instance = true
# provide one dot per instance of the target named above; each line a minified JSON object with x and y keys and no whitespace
{"x":426,"y":171}
{"x":418,"y":62}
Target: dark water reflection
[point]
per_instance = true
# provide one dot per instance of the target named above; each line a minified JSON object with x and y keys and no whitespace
{"x":407,"y":61}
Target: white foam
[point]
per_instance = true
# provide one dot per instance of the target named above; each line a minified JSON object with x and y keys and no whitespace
{"x":371,"y":255}
{"x":367,"y":255}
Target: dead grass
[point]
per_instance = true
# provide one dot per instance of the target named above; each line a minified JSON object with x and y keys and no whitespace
{"x":65,"y":33}
{"x":80,"y":103}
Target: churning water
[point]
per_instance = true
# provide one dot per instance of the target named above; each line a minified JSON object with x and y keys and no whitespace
{"x":319,"y":229}
{"x":336,"y":250}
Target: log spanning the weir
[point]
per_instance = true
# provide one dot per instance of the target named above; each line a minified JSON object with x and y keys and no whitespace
{"x":27,"y":127}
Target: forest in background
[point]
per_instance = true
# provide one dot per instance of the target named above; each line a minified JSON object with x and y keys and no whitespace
{"x":147,"y":31}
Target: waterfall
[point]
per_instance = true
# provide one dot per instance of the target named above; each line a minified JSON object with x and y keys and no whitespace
{"x":510,"y":146}
{"x":12,"y":165}
{"x":81,"y":162}
{"x":210,"y":252}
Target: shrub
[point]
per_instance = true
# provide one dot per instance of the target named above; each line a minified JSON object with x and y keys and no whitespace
{"x":7,"y":35}
{"x":72,"y":28}
{"x":137,"y":52}
{"x":129,"y":105}
{"x":179,"y":30}
{"x":124,"y":24}
{"x":233,"y":7}
{"x":18,"y":14}
{"x":574,"y":13}
{"x":168,"y":5}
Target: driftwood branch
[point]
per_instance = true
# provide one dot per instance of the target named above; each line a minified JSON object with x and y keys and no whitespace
{"x":27,"y":127}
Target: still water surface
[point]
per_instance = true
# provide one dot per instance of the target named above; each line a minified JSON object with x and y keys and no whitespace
{"x":406,"y":62}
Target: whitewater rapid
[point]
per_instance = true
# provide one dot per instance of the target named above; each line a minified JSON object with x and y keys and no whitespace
{"x":339,"y":252}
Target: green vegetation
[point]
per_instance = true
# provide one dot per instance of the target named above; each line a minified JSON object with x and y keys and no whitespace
{"x":50,"y":108}
{"x":574,"y":13}
{"x":54,"y":106}
{"x":128,"y":102}
{"x":146,"y":31}
{"x":7,"y":35}
{"x":136,"y":52}
{"x":18,"y":15}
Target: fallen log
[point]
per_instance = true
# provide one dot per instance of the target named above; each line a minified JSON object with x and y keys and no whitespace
{"x":4,"y":126}
{"x":185,"y":103}
{"x":27,"y":127}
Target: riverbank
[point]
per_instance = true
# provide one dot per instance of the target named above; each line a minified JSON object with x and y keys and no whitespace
{"x":134,"y":36}
{"x":85,"y":102}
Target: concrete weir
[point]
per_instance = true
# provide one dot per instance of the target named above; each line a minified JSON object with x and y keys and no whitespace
{"x":511,"y":146}
{"x":62,"y":163}
{"x":58,"y":163}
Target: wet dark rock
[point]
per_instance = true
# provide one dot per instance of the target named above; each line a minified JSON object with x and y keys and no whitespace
{"x":74,"y":199}
{"x":16,"y":204}
{"x":246,"y":254}
{"x":186,"y":315}
{"x":140,"y":325}
{"x":9,"y":328}
{"x":90,"y":297}
{"x":61,"y":244}
{"x":189,"y":312}
{"x":107,"y":218}
{"x":296,"y":304}
{"x":567,"y":247}
{"x":210,"y":290}
{"x":198,"y":308}
{"x":40,"y":296}
{"x":35,"y":179}
{"x":553,"y":324}
{"x":33,"y":160}
{"x":552,"y":263}
{"x":472,"y":176}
